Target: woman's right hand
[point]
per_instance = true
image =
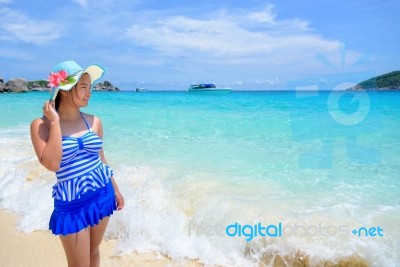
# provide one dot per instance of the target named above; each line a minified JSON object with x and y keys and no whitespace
{"x":49,"y":111}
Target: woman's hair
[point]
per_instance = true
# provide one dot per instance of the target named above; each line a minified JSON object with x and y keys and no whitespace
{"x":58,"y":101}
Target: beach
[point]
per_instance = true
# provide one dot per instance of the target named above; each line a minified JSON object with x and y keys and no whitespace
{"x":41,"y":248}
{"x":27,"y":249}
{"x":240,"y":179}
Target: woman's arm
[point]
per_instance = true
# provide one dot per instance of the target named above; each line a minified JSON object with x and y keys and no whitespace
{"x":118,"y":196}
{"x":46,"y":138}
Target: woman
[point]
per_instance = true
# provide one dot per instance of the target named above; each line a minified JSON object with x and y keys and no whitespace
{"x":69,"y":143}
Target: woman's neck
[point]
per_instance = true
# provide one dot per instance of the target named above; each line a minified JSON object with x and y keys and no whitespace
{"x":68,"y":113}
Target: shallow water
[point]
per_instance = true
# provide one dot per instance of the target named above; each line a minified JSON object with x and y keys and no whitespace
{"x":190,"y":165}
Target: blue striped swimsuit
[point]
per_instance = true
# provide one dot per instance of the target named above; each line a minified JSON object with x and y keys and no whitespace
{"x":83,"y":194}
{"x":81,"y":168}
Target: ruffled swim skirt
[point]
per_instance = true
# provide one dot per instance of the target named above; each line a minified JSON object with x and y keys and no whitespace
{"x":70,"y":217}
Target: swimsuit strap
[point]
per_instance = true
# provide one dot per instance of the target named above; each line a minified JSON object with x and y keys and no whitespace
{"x":87,"y":124}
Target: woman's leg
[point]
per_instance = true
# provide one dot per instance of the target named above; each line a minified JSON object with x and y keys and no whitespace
{"x":82,"y":248}
{"x":96,"y":236}
{"x":77,"y":248}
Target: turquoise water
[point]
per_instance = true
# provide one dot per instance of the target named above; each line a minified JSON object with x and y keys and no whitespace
{"x":247,"y":157}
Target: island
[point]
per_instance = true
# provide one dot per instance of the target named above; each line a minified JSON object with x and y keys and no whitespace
{"x":21,"y":85}
{"x":388,"y":81}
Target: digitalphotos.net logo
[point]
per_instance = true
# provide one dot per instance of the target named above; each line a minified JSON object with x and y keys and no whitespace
{"x":344,"y":114}
{"x":281,"y":230}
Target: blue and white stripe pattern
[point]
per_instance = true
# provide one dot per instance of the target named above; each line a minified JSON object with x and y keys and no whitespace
{"x":81,"y":168}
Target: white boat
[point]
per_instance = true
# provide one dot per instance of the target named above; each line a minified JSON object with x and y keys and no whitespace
{"x":207,"y":87}
{"x":140,"y":89}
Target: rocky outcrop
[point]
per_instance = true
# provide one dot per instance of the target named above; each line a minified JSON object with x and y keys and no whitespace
{"x":105,"y":86}
{"x":16,"y":86}
{"x":2,"y":85}
{"x":22,"y":85}
{"x":35,"y":86}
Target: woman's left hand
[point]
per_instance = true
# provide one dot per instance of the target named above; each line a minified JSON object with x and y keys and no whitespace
{"x":120,"y":200}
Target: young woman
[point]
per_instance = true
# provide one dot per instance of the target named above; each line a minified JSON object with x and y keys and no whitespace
{"x":69,"y":143}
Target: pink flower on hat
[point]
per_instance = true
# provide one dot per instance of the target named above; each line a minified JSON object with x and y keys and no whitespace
{"x":59,"y":78}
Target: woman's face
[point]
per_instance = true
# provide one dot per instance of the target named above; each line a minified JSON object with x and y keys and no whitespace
{"x":80,"y":94}
{"x":83,"y":92}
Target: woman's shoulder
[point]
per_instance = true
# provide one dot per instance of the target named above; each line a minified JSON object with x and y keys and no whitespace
{"x":40,"y":125}
{"x":40,"y":121}
{"x":93,"y":121}
{"x":91,"y":118}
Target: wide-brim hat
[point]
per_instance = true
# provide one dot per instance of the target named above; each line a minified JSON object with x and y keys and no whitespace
{"x":65,"y":75}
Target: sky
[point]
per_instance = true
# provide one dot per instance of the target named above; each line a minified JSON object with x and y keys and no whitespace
{"x":168,"y":45}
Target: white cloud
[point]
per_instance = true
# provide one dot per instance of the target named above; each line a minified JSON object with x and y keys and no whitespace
{"x":83,"y":3}
{"x":266,"y":81}
{"x":265,"y":16}
{"x":221,"y":44}
{"x":20,"y":27}
{"x":252,"y":37}
{"x":178,"y":33}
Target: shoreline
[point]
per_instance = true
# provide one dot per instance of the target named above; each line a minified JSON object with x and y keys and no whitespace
{"x":41,"y":248}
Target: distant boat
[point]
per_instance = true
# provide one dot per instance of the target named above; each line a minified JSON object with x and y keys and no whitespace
{"x":140,"y":89}
{"x":207,"y":87}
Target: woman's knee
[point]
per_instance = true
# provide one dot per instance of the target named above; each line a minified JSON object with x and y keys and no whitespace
{"x":76,"y":247}
{"x":95,"y":242}
{"x":97,"y":233}
{"x":79,"y":264}
{"x":78,"y":261}
{"x":94,"y":250}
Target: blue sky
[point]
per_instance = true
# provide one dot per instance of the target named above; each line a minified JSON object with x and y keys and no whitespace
{"x":169,"y":44}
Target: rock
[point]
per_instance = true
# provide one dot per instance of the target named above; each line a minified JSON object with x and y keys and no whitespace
{"x":2,"y":85}
{"x":36,"y":87}
{"x":16,"y":85}
{"x":105,"y":86}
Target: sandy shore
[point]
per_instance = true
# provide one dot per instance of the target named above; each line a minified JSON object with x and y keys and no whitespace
{"x":41,"y":248}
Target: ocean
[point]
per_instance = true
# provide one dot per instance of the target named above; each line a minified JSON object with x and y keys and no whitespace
{"x":233,"y":179}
